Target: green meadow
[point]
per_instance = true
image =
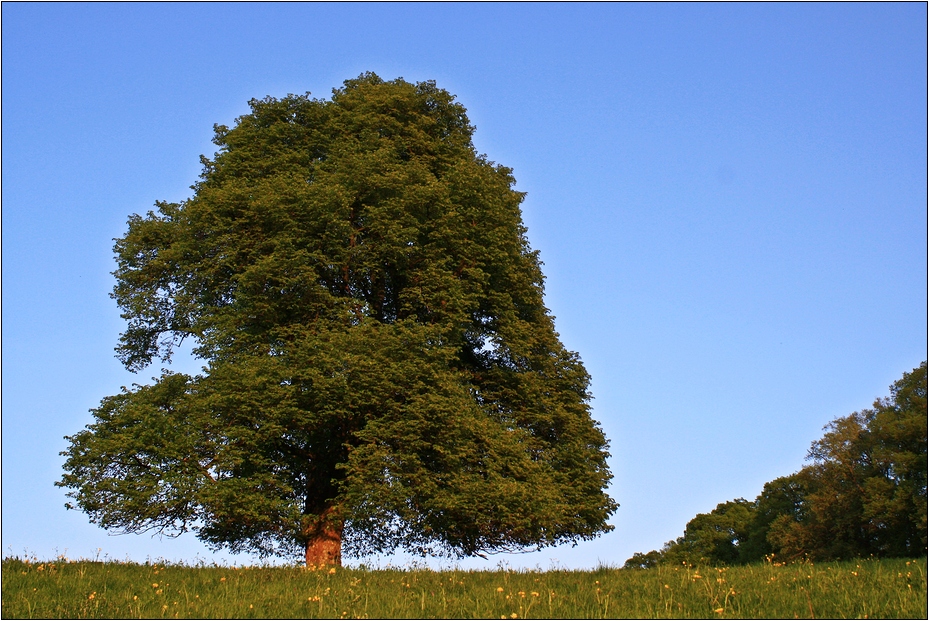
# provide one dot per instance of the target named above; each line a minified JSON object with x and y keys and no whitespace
{"x":888,"y":588}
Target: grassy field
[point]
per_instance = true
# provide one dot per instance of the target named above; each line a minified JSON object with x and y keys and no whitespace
{"x":88,"y":589}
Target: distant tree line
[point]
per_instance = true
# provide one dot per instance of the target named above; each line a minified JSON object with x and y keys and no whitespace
{"x":863,"y":494}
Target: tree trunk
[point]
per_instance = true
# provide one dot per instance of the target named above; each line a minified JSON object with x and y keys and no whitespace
{"x":324,"y":540}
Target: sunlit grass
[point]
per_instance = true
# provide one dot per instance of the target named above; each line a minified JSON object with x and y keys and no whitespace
{"x":94,"y":589}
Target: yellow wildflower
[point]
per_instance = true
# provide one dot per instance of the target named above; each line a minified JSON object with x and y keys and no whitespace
{"x":499,"y":589}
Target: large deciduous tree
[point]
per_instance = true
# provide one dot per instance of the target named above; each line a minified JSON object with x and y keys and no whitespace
{"x":381,"y":371}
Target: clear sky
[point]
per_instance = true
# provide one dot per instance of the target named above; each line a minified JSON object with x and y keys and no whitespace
{"x":730,"y":202}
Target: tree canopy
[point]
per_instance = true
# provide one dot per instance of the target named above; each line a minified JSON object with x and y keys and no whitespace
{"x":863,"y":494}
{"x":380,"y":369}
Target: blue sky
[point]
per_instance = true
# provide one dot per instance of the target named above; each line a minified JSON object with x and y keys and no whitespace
{"x":730,"y":201}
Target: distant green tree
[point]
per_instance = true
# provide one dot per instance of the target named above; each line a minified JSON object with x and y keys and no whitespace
{"x":643,"y":561}
{"x":714,"y":538}
{"x":790,"y":529}
{"x":381,"y":370}
{"x":863,"y":494}
{"x":782,"y":502}
{"x":895,"y":495}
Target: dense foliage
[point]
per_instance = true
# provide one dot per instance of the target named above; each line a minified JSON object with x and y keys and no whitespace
{"x":381,"y":369}
{"x":864,"y":494}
